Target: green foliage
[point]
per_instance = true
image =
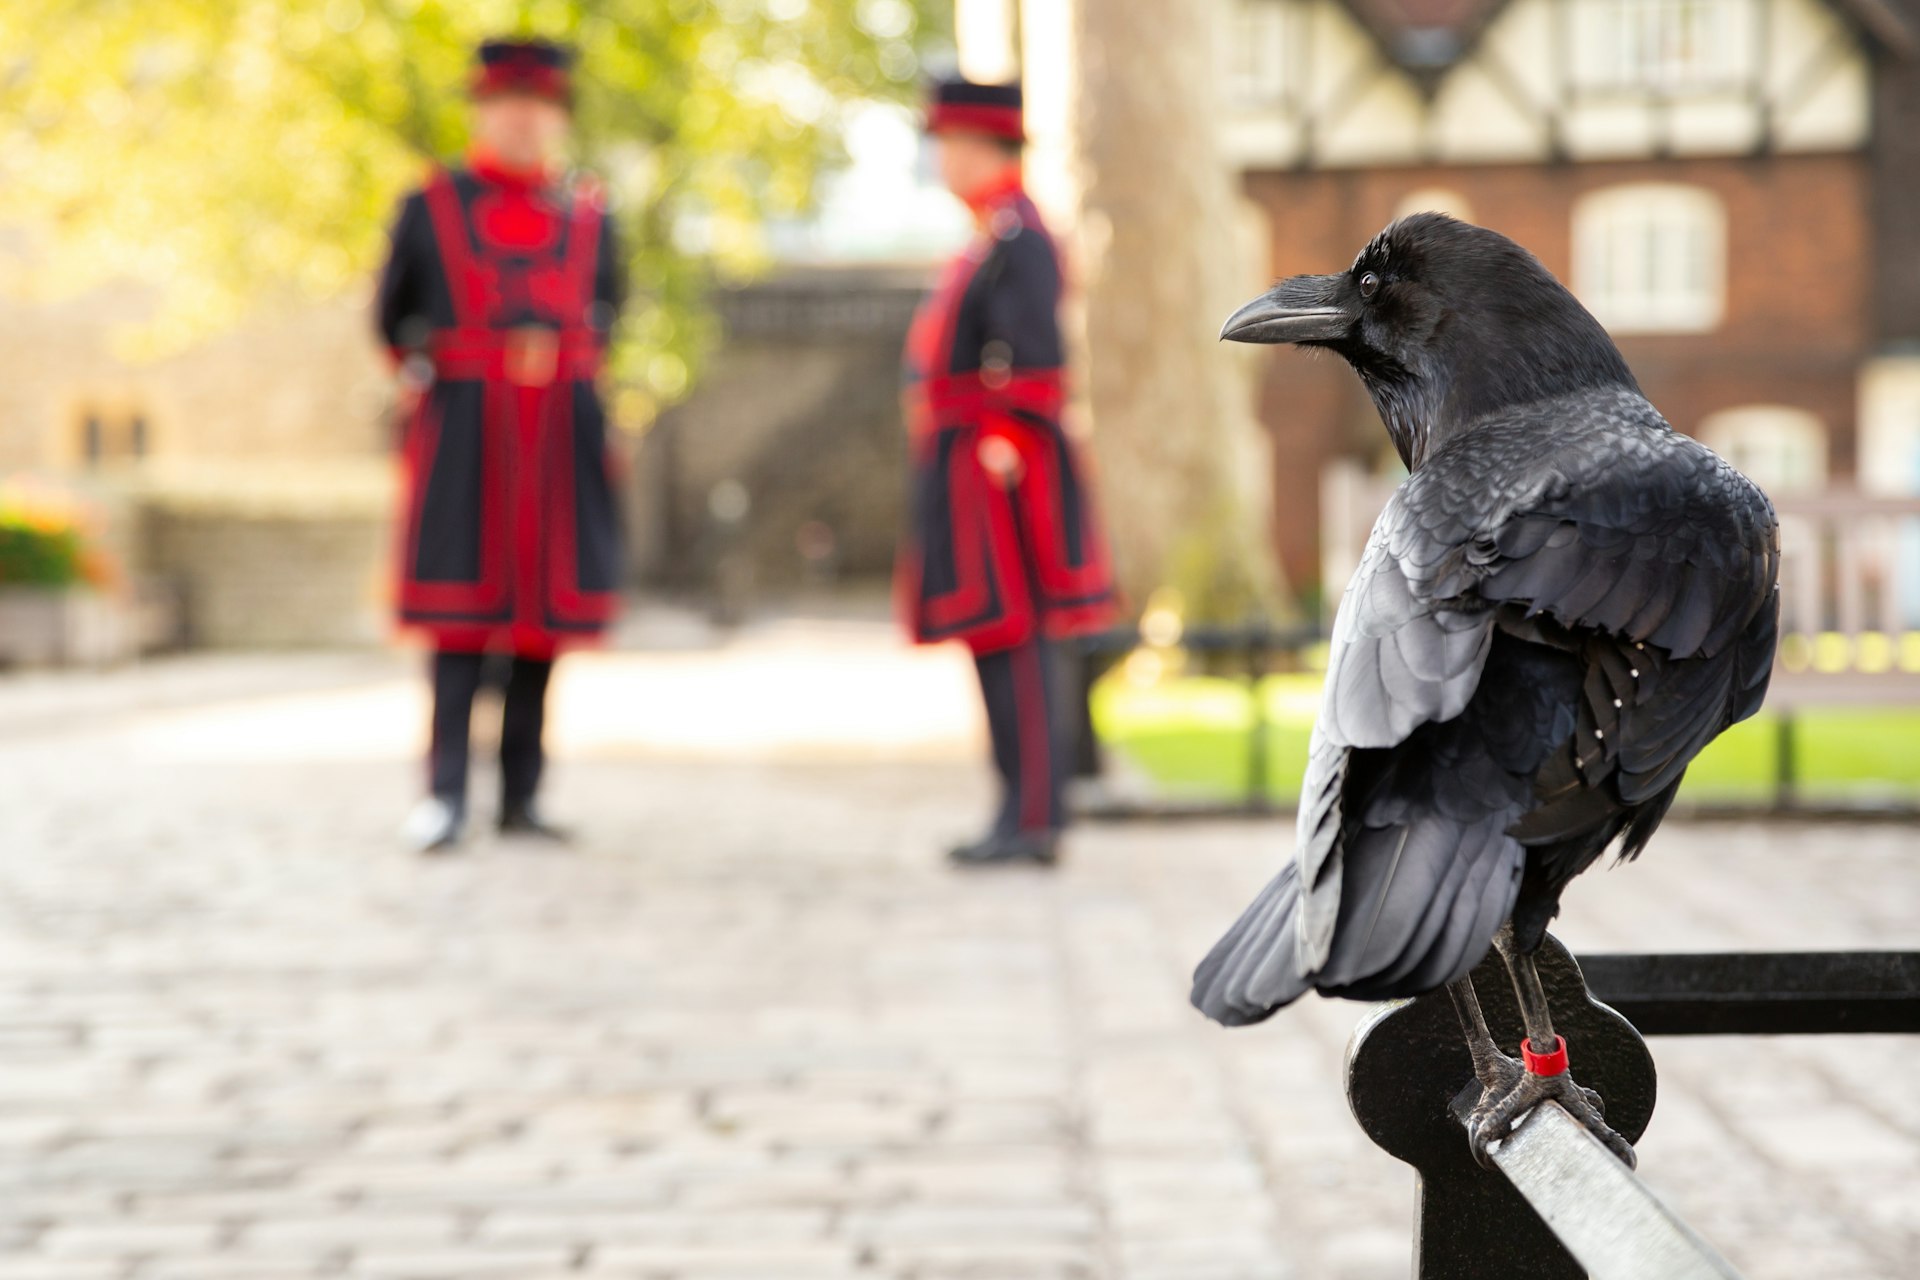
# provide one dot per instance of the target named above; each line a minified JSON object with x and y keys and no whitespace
{"x":233,"y":151}
{"x":37,"y":554}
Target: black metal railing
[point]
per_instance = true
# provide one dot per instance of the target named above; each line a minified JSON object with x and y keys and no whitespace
{"x":1409,"y":1081}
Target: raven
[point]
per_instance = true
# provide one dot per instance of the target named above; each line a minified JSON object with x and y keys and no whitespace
{"x":1563,"y":603}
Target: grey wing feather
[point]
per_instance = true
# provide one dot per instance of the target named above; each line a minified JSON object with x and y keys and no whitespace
{"x":1395,"y":663}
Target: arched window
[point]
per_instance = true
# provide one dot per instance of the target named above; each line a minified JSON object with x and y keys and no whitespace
{"x":1781,"y":449}
{"x":1651,"y":257}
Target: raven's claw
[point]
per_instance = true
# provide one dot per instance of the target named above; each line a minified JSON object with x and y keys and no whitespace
{"x":1512,"y":1091}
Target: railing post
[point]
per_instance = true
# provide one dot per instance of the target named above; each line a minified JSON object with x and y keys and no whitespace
{"x":1408,"y":1070}
{"x":1259,"y":653}
{"x":1786,"y":763}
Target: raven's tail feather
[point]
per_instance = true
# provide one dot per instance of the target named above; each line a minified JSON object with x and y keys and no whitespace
{"x":1419,"y":903}
{"x":1253,"y":971}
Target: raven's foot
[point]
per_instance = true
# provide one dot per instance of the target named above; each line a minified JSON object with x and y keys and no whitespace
{"x":1502,"y":1105}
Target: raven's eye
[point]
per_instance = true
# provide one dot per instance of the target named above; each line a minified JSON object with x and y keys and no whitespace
{"x":1369,"y":285}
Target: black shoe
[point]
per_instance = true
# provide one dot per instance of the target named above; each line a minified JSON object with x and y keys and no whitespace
{"x":524,"y":819}
{"x":1040,"y":847}
{"x":435,"y":825}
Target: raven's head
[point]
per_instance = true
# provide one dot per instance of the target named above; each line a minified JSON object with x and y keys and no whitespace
{"x":1445,"y":322}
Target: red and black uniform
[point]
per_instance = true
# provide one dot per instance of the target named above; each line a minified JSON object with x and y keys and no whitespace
{"x":502,"y":288}
{"x":1004,"y":549}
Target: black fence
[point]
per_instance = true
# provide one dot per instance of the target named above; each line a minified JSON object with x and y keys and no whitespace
{"x":1568,"y":1208}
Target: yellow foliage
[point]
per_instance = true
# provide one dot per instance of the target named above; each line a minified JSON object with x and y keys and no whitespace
{"x":231,"y":152}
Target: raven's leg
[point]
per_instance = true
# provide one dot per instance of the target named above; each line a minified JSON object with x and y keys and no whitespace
{"x":1495,"y":1117}
{"x":1496,"y":1072}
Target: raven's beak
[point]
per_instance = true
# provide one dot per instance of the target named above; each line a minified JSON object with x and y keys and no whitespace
{"x":1303,"y":309}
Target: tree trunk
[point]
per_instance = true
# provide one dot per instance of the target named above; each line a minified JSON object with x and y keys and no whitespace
{"x":1158,"y":250}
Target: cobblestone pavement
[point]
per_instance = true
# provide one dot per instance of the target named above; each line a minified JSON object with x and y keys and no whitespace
{"x":751,"y":1027}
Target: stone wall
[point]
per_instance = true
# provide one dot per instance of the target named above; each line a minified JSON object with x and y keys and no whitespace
{"x":274,"y":563}
{"x":250,"y":498}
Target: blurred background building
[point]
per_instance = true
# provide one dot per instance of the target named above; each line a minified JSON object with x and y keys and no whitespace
{"x":786,"y":466}
{"x":240,"y":487}
{"x":1728,"y":184}
{"x":229,"y":462}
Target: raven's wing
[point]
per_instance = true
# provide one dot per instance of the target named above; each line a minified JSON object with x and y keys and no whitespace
{"x":1618,"y":530}
{"x":1398,"y":661}
{"x":1668,"y":573}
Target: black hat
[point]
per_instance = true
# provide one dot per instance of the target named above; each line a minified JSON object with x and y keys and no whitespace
{"x":538,"y":67}
{"x":993,"y":109}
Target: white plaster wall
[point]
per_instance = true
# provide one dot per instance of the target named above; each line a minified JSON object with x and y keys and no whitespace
{"x":1817,"y":104}
{"x":1476,"y":119}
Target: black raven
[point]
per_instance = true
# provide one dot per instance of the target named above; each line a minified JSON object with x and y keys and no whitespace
{"x":1564,"y":602}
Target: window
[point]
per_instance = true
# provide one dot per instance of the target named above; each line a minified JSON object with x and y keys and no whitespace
{"x":1260,"y":38}
{"x":93,"y":437}
{"x":1783,"y":450}
{"x":103,"y":438}
{"x":1651,"y":258}
{"x":1668,"y":46}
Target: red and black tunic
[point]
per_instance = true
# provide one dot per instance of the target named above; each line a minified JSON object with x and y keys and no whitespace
{"x":506,"y":288}
{"x":1004,"y":543}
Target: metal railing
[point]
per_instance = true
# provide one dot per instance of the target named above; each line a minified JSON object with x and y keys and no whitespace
{"x":1603,"y":1216}
{"x":1560,"y":1205}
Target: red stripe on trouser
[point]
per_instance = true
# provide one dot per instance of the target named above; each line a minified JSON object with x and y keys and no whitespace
{"x":1036,"y":758}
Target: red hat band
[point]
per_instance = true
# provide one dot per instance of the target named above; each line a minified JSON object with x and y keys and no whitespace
{"x":981,"y":117}
{"x":534,"y":69}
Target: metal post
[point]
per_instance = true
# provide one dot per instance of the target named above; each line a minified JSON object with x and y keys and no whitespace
{"x":1786,"y":764}
{"x":1259,"y":781}
{"x":1408,"y":1069}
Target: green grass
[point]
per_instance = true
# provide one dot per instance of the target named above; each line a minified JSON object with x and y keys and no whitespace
{"x":1190,"y":735}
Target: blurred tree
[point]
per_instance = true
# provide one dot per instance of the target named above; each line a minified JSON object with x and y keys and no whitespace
{"x":1162,"y":262}
{"x":235,"y":151}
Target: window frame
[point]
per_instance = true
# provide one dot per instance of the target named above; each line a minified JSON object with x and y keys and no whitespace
{"x":1256,"y":88}
{"x":1779,"y":432}
{"x":1737,"y":54}
{"x":1635,"y":225}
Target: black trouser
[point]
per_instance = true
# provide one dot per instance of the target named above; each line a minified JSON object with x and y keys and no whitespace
{"x":1021,"y":688}
{"x":456,"y":678}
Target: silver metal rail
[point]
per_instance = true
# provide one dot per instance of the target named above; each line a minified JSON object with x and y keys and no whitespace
{"x":1610,"y":1221}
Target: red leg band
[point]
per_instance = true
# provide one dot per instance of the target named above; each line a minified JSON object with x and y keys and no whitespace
{"x":1545,"y":1064}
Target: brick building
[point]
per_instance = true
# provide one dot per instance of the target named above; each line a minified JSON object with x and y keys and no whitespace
{"x":1733,"y":186}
